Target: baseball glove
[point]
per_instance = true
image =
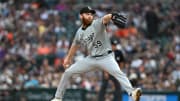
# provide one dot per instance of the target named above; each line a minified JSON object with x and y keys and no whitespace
{"x":119,"y":20}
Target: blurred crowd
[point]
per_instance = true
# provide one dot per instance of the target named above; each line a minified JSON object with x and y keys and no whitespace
{"x":35,"y":37}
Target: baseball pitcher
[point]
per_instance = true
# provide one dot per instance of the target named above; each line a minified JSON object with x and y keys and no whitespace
{"x":92,"y":35}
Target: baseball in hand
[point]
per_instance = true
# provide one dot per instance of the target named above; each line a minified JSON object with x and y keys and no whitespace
{"x":67,"y":65}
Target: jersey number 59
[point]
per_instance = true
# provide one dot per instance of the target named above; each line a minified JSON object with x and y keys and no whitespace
{"x":97,"y":44}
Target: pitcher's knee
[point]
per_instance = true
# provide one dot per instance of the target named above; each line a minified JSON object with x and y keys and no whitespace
{"x":118,"y":72}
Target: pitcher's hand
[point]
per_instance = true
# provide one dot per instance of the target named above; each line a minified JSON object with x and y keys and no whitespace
{"x":67,"y":62}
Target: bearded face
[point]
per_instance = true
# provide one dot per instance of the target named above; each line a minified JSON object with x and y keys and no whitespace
{"x":87,"y":18}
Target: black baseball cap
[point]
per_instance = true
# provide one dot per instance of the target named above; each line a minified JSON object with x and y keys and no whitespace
{"x":87,"y":10}
{"x":114,"y":42}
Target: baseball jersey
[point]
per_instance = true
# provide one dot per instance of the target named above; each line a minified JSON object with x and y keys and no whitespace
{"x":94,"y":38}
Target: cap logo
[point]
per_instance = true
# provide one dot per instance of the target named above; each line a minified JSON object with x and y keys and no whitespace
{"x":89,"y":8}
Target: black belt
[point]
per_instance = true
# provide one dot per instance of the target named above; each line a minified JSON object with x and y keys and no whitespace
{"x":108,"y":52}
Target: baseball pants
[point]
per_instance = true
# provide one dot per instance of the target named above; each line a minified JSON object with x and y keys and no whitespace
{"x":106,"y":63}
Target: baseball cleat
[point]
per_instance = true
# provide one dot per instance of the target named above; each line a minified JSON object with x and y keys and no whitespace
{"x":56,"y":99}
{"x":136,"y":94}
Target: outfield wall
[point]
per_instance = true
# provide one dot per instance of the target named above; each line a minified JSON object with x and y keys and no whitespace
{"x":79,"y":95}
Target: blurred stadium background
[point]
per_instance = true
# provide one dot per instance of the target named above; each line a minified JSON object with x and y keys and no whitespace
{"x":35,"y":36}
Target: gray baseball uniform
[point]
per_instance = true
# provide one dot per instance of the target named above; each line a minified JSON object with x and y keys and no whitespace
{"x":95,"y":39}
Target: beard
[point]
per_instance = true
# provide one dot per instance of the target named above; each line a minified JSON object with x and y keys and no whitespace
{"x":86,"y":21}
